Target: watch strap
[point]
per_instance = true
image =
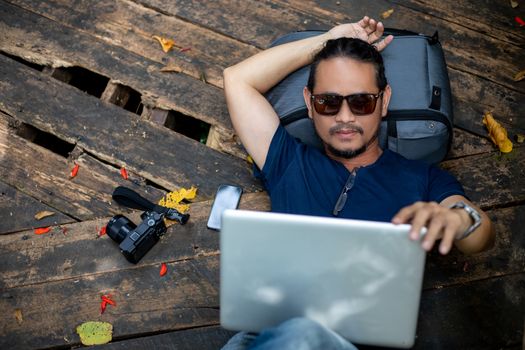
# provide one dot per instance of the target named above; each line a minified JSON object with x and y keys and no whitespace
{"x":473,"y":214}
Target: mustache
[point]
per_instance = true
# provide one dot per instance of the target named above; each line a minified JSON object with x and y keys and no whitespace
{"x":350,"y":127}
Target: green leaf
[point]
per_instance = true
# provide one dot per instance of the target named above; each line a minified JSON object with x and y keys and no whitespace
{"x":95,"y":333}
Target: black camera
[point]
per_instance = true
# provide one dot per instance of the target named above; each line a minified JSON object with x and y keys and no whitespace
{"x":135,"y":241}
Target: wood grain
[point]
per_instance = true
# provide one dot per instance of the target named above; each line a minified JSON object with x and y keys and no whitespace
{"x":17,"y":211}
{"x":186,"y":297}
{"x":29,"y":259}
{"x":86,"y":121}
{"x":42,"y":174}
{"x":204,"y":338}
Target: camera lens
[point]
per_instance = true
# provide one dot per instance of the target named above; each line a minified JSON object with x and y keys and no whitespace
{"x":119,"y":227}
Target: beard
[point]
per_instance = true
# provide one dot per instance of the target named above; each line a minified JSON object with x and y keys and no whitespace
{"x":346,"y":153}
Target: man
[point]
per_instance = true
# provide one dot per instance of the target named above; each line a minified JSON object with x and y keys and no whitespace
{"x":347,"y":96}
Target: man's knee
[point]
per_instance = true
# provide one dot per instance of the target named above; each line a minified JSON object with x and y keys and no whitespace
{"x":302,"y":325}
{"x":301,"y":333}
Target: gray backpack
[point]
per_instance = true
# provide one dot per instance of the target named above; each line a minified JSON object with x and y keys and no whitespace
{"x":419,"y":120}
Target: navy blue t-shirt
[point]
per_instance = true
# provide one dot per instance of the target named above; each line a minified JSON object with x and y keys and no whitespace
{"x":303,"y":180}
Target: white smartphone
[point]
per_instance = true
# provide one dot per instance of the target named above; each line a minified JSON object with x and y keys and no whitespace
{"x":227,"y":197}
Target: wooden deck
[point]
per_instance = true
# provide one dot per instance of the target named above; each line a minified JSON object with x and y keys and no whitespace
{"x":83,"y":82}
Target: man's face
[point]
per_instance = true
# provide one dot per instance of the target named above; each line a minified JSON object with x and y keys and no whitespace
{"x":345,"y":134}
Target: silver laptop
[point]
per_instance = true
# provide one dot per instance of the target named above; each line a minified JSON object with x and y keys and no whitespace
{"x":362,"y":279}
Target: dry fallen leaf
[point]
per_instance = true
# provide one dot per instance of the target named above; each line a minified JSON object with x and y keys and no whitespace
{"x":43,"y":214}
{"x":171,"y":68}
{"x":520,"y":75}
{"x":514,"y":3}
{"x":18,"y":316}
{"x":497,"y":133}
{"x":167,"y":44}
{"x":173,"y":199}
{"x":387,"y":14}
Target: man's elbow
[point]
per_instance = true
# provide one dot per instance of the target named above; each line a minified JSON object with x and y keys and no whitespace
{"x":228,"y":74}
{"x":479,"y":244}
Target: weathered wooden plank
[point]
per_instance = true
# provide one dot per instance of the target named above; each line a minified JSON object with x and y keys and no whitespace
{"x":495,"y":18}
{"x":131,"y":26}
{"x":465,"y":143}
{"x":164,"y":157}
{"x":253,"y":22}
{"x":17,"y":211}
{"x":205,"y":338}
{"x":186,"y":297}
{"x":506,"y":257}
{"x":473,"y":96}
{"x":463,"y":46}
{"x":29,"y":259}
{"x":45,"y":175}
{"x":492,"y":179}
{"x":484,"y":314}
{"x":59,"y":45}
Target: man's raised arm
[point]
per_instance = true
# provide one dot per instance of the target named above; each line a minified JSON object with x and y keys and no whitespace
{"x":253,"y":118}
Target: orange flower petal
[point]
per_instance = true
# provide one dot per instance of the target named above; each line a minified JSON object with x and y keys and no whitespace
{"x":163,"y":269}
{"x":42,"y":230}
{"x":167,"y":44}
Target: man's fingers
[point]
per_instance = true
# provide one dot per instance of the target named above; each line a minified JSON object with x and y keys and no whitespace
{"x":404,"y":215}
{"x":382,"y":44}
{"x":419,"y":221}
{"x":448,"y":240}
{"x":434,"y":232}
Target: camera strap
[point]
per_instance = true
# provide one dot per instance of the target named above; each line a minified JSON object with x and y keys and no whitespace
{"x":131,"y":199}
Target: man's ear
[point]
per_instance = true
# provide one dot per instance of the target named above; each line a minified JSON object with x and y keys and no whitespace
{"x":307,"y":100}
{"x":386,"y":101}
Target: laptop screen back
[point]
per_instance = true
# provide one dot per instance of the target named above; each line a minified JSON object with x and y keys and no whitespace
{"x":360,"y":278}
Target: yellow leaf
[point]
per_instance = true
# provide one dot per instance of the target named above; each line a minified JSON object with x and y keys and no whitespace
{"x":95,"y":333}
{"x":520,"y":75}
{"x":18,"y":316}
{"x":173,"y":199}
{"x":167,"y":44}
{"x":43,"y":214}
{"x":514,"y":3}
{"x":520,"y":138}
{"x":249,"y":159}
{"x":497,"y":133}
{"x":387,"y":13}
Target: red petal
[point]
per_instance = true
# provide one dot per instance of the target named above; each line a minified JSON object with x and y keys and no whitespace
{"x":163,"y":269}
{"x":103,"y":306}
{"x":102,"y":231}
{"x":42,"y":230}
{"x":75,"y":171}
{"x":519,"y":21}
{"x":124,"y":173}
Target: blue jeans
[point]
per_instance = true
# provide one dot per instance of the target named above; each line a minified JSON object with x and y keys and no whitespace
{"x":296,"y":334}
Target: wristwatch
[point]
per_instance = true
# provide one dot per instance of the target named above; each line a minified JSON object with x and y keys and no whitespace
{"x":474,"y":215}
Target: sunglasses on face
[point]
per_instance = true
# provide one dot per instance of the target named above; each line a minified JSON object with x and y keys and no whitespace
{"x":360,"y":104}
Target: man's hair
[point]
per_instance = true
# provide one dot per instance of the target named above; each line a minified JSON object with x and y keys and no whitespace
{"x":356,"y":49}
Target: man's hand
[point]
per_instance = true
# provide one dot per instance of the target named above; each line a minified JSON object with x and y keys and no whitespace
{"x":441,"y":223}
{"x":366,"y":29}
